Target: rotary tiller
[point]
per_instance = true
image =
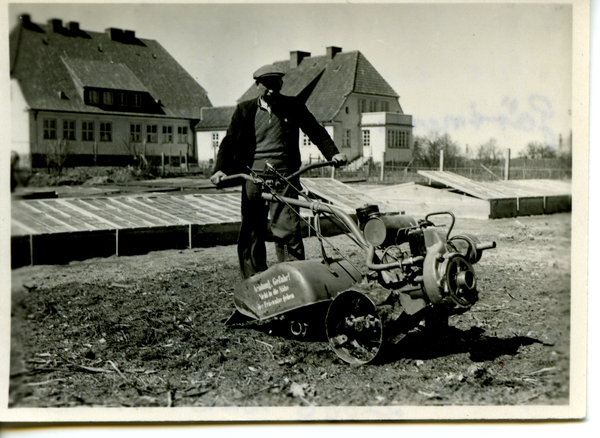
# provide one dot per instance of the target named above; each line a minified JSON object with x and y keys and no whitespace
{"x":414,"y":273}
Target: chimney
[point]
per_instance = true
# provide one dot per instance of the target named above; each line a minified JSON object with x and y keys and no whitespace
{"x":56,"y":25}
{"x":129,"y":35}
{"x":296,"y":58}
{"x":114,"y":33}
{"x":74,"y":26}
{"x":332,"y":50}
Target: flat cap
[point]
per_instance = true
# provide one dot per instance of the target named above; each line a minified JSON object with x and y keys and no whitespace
{"x":268,"y":70}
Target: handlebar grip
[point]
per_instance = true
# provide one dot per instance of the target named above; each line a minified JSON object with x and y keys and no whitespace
{"x":485,"y":245}
{"x":316,"y":166}
{"x":233,"y":180}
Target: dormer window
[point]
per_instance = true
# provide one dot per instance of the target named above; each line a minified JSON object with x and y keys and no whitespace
{"x":136,"y":100}
{"x":122,"y":99}
{"x":108,"y":98}
{"x":93,"y":97}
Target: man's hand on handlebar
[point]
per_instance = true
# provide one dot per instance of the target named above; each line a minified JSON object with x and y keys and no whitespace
{"x":339,"y":160}
{"x":217,"y":177}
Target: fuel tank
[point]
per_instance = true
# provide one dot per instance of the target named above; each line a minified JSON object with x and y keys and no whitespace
{"x":292,"y":285}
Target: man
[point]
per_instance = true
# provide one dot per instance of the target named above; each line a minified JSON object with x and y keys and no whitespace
{"x":266,"y":130}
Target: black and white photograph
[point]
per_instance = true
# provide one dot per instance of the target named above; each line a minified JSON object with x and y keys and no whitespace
{"x":277,"y":211}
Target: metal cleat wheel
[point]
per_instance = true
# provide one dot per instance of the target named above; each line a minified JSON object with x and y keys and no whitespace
{"x":354,"y":328}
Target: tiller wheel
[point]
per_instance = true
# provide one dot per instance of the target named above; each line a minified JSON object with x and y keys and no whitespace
{"x":354,"y":328}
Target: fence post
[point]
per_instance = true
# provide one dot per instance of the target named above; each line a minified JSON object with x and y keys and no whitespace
{"x":441,"y":160}
{"x":162,"y":163}
{"x":507,"y":165}
{"x":382,"y":175}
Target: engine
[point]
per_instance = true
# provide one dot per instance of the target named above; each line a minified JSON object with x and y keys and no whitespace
{"x":411,"y":254}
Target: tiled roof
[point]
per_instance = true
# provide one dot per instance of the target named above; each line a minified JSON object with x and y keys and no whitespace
{"x":215,"y":117}
{"x":47,"y":84}
{"x":327,"y":83}
{"x":101,"y":74}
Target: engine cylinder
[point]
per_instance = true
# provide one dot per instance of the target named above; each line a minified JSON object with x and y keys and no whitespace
{"x":386,"y":230}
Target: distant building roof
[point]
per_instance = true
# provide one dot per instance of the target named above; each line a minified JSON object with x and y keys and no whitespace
{"x":215,"y":117}
{"x":324,"y":82}
{"x":49,"y":60}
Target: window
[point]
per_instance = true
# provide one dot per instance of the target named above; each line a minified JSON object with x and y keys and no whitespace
{"x":362,"y":106}
{"x":135,"y":132}
{"x":137,"y":100}
{"x":366,"y":138}
{"x":397,"y":139}
{"x":93,"y":97}
{"x":152,"y":133}
{"x":167,"y":134}
{"x":373,"y":106}
{"x":122,"y":99}
{"x":105,"y":131}
{"x":385,"y":106}
{"x":346,"y":139}
{"x":87,"y":131}
{"x":182,"y":134}
{"x":108,"y":98}
{"x":69,"y":129}
{"x":49,"y":129}
{"x":215,"y":140}
{"x":305,"y":140}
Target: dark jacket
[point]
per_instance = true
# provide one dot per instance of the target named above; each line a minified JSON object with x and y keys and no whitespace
{"x":236,"y":151}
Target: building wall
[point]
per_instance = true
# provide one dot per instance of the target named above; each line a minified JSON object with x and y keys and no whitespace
{"x":350,"y":118}
{"x":390,"y":133}
{"x":119,"y":144}
{"x":19,"y":132}
{"x":311,"y":153}
{"x":206,"y":141}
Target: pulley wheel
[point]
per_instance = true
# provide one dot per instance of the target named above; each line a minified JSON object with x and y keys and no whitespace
{"x":354,"y":328}
{"x":461,"y":284}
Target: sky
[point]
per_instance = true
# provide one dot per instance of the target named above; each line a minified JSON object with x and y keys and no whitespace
{"x":474,"y":71}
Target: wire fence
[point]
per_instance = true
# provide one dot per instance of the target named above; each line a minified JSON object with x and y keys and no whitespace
{"x":372,"y":172}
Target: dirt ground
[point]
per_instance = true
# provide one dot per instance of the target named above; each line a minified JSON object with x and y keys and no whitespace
{"x":149,"y":331}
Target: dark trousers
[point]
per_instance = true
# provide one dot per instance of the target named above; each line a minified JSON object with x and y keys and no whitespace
{"x":257,"y":216}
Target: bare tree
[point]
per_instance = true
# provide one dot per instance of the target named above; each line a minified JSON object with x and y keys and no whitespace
{"x":57,"y":152}
{"x":489,"y":153}
{"x":137,"y":152}
{"x":427,"y":149}
{"x":538,"y":150}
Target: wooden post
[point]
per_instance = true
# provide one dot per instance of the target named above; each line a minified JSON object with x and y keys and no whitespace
{"x":507,"y":165}
{"x":187,"y":160}
{"x":162,"y":163}
{"x":95,"y":146}
{"x":441,"y":160}
{"x":382,"y":175}
{"x":31,"y":249}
